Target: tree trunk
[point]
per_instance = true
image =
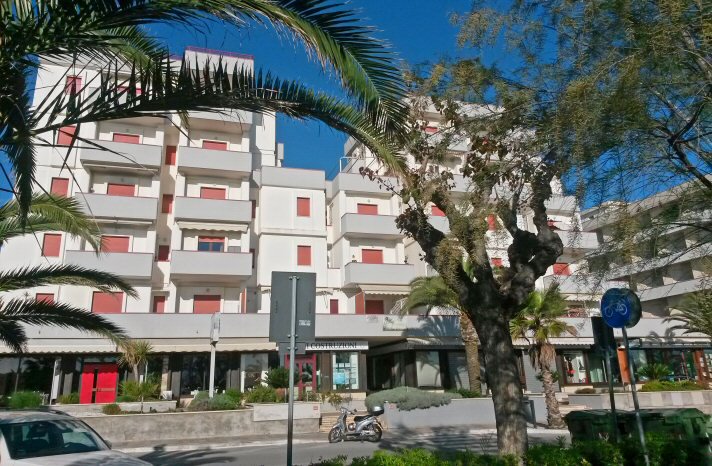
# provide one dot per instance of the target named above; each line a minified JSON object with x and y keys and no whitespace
{"x":553,"y":415}
{"x":469,"y":337}
{"x":502,"y":372}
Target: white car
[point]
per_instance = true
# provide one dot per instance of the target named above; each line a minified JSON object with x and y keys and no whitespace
{"x":34,"y":438}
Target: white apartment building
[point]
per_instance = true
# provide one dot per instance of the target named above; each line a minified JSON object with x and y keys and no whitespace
{"x":197,"y":218}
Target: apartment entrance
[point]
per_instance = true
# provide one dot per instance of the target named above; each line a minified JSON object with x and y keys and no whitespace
{"x":304,"y":377}
{"x":98,"y":383}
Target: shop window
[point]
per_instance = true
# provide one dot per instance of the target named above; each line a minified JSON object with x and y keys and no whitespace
{"x":127,"y":138}
{"x":45,"y":297}
{"x":372,"y":256}
{"x":119,"y":189}
{"x":254,"y":368}
{"x":107,"y":302}
{"x":427,"y":366}
{"x":72,"y":85}
{"x":435,"y":211}
{"x":374,"y":306}
{"x":213,"y":193}
{"x":333,"y":306}
{"x":457,"y":370}
{"x":344,"y":371}
{"x":195,"y":373}
{"x":304,"y":255}
{"x":211,"y":243}
{"x":65,"y":135}
{"x":214,"y":145}
{"x":110,"y":243}
{"x":596,"y":368}
{"x":159,"y":304}
{"x":51,"y":244}
{"x":303,"y":207}
{"x":367,"y":209}
{"x":59,"y":187}
{"x":206,"y":303}
{"x":574,"y":367}
{"x":167,"y":204}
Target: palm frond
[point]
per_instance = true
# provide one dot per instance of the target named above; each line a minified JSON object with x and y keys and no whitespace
{"x":430,"y":292}
{"x":62,"y":274}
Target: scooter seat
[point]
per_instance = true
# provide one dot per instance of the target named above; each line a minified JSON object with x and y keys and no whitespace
{"x":361,"y":418}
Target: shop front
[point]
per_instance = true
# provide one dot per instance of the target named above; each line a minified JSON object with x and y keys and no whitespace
{"x":333,"y":366}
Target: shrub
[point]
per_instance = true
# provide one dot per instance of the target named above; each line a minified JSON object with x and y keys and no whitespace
{"x":235,"y":394}
{"x":654,"y":371}
{"x":261,"y":394}
{"x":419,"y":457}
{"x":585,"y":391}
{"x":408,"y":398}
{"x":465,"y":393}
{"x":335,"y":399}
{"x":219,"y":402}
{"x":111,"y":409}
{"x":599,"y":453}
{"x":133,"y":390}
{"x":69,"y":398}
{"x":667,"y":386}
{"x":125,"y":399}
{"x":278,"y":377}
{"x":23,"y":400}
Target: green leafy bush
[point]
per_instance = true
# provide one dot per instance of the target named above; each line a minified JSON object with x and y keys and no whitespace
{"x":24,"y":400}
{"x":69,"y":398}
{"x":667,"y":386}
{"x":219,"y":402}
{"x":585,"y":391}
{"x":132,"y":390}
{"x":408,"y":398}
{"x":465,"y":393}
{"x":111,"y":409}
{"x":554,"y":455}
{"x":654,"y":371}
{"x":419,"y":457}
{"x":235,"y":394}
{"x":599,"y":453}
{"x":261,"y":394}
{"x":333,"y":398}
{"x":278,"y":377}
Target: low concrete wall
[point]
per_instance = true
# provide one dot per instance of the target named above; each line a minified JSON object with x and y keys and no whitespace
{"x":279,"y":411}
{"x":95,"y":409}
{"x":700,"y":399}
{"x":460,"y":412}
{"x":190,"y":425}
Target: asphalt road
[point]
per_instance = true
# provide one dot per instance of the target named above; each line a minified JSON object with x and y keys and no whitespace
{"x":313,"y":450}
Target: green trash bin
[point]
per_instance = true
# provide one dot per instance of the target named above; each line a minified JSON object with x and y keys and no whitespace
{"x":593,"y":424}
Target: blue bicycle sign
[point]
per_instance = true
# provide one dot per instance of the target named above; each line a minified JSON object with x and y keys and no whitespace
{"x":620,"y":307}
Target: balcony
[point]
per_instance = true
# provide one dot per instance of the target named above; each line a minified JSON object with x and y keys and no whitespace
{"x":210,"y":162}
{"x":370,"y":226}
{"x":196,"y":209}
{"x":385,"y":326}
{"x":585,"y":284}
{"x":131,"y":265}
{"x":564,"y":205}
{"x":574,"y":240}
{"x":225,"y":115}
{"x":120,"y":156}
{"x":355,"y":182}
{"x":673,"y":289}
{"x":126,"y":208}
{"x":215,"y":267}
{"x":358,"y":273}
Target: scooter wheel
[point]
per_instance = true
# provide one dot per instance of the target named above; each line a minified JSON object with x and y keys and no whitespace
{"x":377,"y":433}
{"x":335,"y":435}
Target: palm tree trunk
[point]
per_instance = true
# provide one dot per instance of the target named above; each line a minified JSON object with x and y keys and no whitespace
{"x":469,"y":337}
{"x":553,"y":416}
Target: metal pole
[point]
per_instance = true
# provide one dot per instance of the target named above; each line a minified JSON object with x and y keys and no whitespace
{"x":609,"y":376}
{"x":211,"y":391}
{"x":636,"y":405}
{"x":292,"y":350}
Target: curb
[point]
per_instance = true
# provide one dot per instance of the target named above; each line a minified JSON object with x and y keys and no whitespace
{"x":212,"y":446}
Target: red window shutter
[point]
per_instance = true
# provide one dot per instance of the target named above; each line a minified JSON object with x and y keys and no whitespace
{"x":360,"y":304}
{"x":167,"y":203}
{"x":206,"y":304}
{"x":552,"y":224}
{"x":164,"y":252}
{"x":252,"y":251}
{"x":125,"y":89}
{"x":254,"y":208}
{"x":118,"y":189}
{"x":561,"y":268}
{"x":436,"y":212}
{"x":107,"y":302}
{"x":60,"y":186}
{"x":303,"y":207}
{"x":65,"y":135}
{"x":159,"y":304}
{"x":333,"y":306}
{"x":126,"y":137}
{"x":213,"y":193}
{"x":367,"y":209}
{"x":496,"y":261}
{"x":45,"y":297}
{"x":111,"y":243}
{"x":50,"y":244}
{"x":73,"y":84}
{"x":171,"y":152}
{"x":304,"y":255}
{"x":372,"y":256}
{"x":215,"y":145}
{"x":431,"y":129}
{"x":491,"y":222}
{"x":374,"y":306}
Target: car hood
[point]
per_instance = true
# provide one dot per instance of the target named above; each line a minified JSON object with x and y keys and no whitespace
{"x":105,"y":458}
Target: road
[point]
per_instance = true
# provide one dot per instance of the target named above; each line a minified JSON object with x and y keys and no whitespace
{"x":314,"y":449}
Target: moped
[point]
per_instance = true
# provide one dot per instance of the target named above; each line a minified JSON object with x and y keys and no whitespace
{"x":361,"y":428}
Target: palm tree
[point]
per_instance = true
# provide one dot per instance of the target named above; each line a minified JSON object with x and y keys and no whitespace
{"x":113,"y":36}
{"x":51,"y":214}
{"x":433,"y":292}
{"x":694,"y":314}
{"x":134,"y":354}
{"x":537,"y":322}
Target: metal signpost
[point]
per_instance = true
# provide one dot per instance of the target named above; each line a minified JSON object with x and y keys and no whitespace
{"x":606,"y":342}
{"x":293,"y":292}
{"x":214,"y":337}
{"x":620,"y":308}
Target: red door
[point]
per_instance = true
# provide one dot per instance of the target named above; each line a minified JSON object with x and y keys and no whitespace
{"x":98,"y":384}
{"x":305,"y":373}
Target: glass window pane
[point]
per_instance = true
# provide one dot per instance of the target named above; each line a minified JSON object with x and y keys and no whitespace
{"x":596,"y":367}
{"x":457,"y":362}
{"x":203,"y":246}
{"x":344,"y":367}
{"x":254,"y":368}
{"x":427,"y":364}
{"x":574,"y":367}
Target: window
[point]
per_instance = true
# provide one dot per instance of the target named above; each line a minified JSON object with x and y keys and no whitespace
{"x":254,"y":368}
{"x":206,"y":303}
{"x":211,"y":243}
{"x":375,"y":306}
{"x":125,"y":89}
{"x":254,"y":208}
{"x":254,"y":257}
{"x":195,"y":372}
{"x":457,"y":370}
{"x":367,"y":209}
{"x":127,"y":138}
{"x":344,"y":370}
{"x":72,"y":85}
{"x":574,"y":367}
{"x":167,"y":203}
{"x":114,"y":243}
{"x":107,"y":302}
{"x":372,"y":256}
{"x":303,"y":207}
{"x":561,"y":268}
{"x":304,"y":255}
{"x":50,"y":244}
{"x":118,"y":189}
{"x":427,"y":367}
{"x":435,"y":211}
{"x":496,"y":262}
{"x":159,"y":304}
{"x":59,"y":186}
{"x":65,"y":135}
{"x":212,"y":193}
{"x":491,"y":222}
{"x":171,"y":152}
{"x":214,"y":145}
{"x":164,"y":252}
{"x":45,"y":297}
{"x":333,"y":306}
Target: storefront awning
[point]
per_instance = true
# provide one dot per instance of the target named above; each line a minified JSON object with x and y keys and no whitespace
{"x":398,"y":290}
{"x":580,"y":342}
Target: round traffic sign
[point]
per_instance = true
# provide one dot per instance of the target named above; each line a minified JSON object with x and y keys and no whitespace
{"x":620,"y":307}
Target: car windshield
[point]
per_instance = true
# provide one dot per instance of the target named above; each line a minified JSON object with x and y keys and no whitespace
{"x":49,"y":437}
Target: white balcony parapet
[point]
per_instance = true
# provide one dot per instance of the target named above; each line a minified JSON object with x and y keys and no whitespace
{"x":370,"y":226}
{"x":226,"y":115}
{"x":558,"y":204}
{"x":223,"y":267}
{"x":132,"y":265}
{"x":199,"y":161}
{"x":197,"y":209}
{"x":657,"y":262}
{"x":379,"y":326}
{"x":357,"y":273}
{"x":673,"y":289}
{"x":120,"y":155}
{"x":584,"y":284}
{"x":104,"y":207}
{"x":355,"y":182}
{"x":578,"y":239}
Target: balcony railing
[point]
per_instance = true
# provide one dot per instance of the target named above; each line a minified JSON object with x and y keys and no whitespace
{"x":223,"y":267}
{"x":199,"y":161}
{"x":128,"y":208}
{"x":357,"y":273}
{"x":196,"y":209}
{"x":370,"y":226}
{"x":120,"y":155}
{"x":132,"y":265}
